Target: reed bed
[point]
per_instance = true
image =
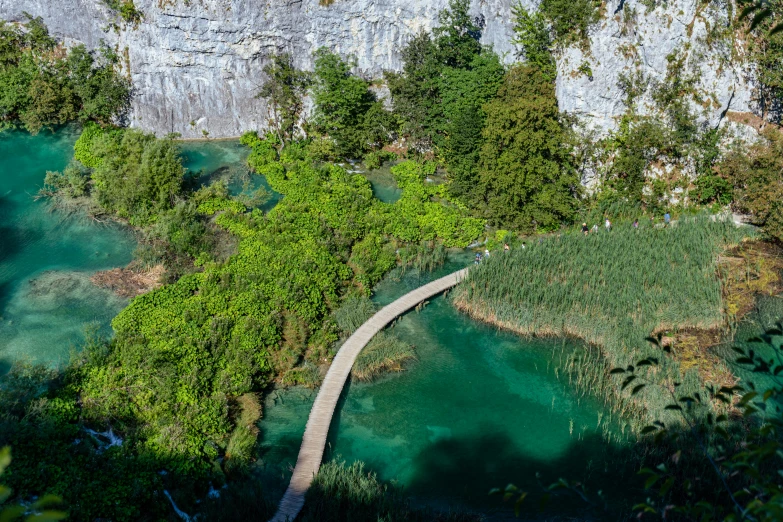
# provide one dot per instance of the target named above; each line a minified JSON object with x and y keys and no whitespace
{"x":611,"y":289}
{"x":385,"y":353}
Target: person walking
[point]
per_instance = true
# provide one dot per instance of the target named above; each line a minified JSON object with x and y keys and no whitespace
{"x":635,"y":223}
{"x":666,"y":219}
{"x":585,"y":230}
{"x":478,"y":258}
{"x":595,"y":228}
{"x":608,"y":225}
{"x":506,"y":248}
{"x":486,"y":253}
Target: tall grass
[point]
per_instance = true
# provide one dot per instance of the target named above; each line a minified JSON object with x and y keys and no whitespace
{"x":384,"y":353}
{"x":611,"y":289}
{"x":342,"y":492}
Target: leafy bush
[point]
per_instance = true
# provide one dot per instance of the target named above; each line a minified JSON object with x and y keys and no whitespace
{"x":345,"y":109}
{"x":42,"y":87}
{"x":70,"y":183}
{"x":373,"y":160}
{"x":755,"y":174}
{"x":137,"y":174}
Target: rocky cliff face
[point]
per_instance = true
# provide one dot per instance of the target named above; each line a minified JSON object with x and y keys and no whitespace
{"x":196,"y":65}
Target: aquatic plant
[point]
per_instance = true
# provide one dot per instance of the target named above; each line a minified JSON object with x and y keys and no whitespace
{"x":384,"y":353}
{"x":611,"y":289}
{"x":349,"y":492}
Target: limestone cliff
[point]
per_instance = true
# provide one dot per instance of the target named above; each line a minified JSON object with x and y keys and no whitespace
{"x":197,"y":64}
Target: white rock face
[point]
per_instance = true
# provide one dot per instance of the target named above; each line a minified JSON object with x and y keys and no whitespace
{"x":196,"y":65}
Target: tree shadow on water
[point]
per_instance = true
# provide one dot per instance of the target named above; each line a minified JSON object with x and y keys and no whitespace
{"x":461,"y":471}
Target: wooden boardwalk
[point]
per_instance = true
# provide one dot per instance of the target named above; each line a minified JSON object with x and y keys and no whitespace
{"x":314,"y":440}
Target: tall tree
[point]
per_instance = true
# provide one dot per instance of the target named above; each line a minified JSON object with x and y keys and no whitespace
{"x":416,"y":91}
{"x":458,"y":35}
{"x":464,"y":91}
{"x":527,"y":177}
{"x":284,"y":92}
{"x":341,"y":102}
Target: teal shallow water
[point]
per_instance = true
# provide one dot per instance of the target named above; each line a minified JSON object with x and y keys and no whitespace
{"x":481,"y":408}
{"x":46,"y":258}
{"x":224,"y":160}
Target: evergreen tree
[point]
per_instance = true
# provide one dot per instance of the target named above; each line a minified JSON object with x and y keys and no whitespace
{"x":527,"y":178}
{"x":341,"y":102}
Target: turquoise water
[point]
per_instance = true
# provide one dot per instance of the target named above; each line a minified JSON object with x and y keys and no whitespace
{"x":224,"y":160}
{"x":479,"y":409}
{"x":383,"y":185}
{"x":46,"y":258}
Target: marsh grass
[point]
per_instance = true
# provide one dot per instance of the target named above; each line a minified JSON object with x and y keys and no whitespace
{"x":349,"y":492}
{"x":612,"y":290}
{"x":384,"y":353}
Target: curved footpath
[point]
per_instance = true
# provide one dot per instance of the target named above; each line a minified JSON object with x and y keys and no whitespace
{"x":314,"y":440}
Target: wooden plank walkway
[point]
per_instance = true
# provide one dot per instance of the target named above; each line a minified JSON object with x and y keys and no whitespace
{"x":314,"y":440}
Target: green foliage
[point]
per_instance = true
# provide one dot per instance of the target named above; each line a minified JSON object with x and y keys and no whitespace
{"x":570,"y":20}
{"x":137,"y":175}
{"x":712,"y":188}
{"x":374,"y":160}
{"x":231,"y":329}
{"x":457,"y":35}
{"x":42,"y":85}
{"x":755,"y":174}
{"x":415,"y":91}
{"x":70,"y":183}
{"x":611,"y":289}
{"x":766,"y":52}
{"x":464,"y":93}
{"x":82,"y":149}
{"x":533,"y":36}
{"x":716,"y":467}
{"x":527,"y":177}
{"x":126,"y":9}
{"x":344,"y":106}
{"x":36,"y":512}
{"x":417,"y":216}
{"x":446,"y":78}
{"x":41,"y":422}
{"x":284,"y":92}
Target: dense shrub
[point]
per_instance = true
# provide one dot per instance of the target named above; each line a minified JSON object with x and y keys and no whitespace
{"x":43,"y":85}
{"x":756,"y":174}
{"x":136,"y":175}
{"x":345,"y":109}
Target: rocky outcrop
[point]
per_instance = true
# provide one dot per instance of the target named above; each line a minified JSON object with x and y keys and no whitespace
{"x":196,"y":65}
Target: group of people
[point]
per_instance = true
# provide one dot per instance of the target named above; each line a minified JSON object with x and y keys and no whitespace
{"x":506,"y":248}
{"x":667,"y":218}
